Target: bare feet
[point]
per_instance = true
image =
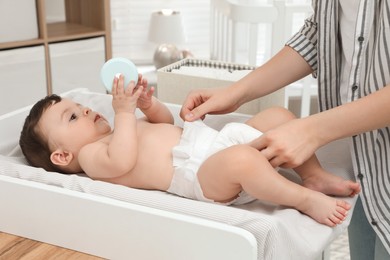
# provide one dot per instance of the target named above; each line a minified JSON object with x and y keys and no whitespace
{"x":331,"y":184}
{"x":324,"y":209}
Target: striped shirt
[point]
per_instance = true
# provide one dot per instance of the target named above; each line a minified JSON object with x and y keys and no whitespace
{"x":318,"y":42}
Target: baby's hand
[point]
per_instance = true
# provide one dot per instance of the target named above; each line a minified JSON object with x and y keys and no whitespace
{"x":145,"y":99}
{"x":125,"y":100}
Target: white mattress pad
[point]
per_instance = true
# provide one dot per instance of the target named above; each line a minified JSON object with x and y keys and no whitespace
{"x":281,"y":233}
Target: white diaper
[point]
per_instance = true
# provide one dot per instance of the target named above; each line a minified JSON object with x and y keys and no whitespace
{"x":197,"y":143}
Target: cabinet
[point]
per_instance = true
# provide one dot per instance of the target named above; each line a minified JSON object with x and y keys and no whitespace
{"x":80,"y":43}
{"x":22,"y":77}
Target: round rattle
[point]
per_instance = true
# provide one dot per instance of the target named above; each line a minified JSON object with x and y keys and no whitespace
{"x":116,"y":66}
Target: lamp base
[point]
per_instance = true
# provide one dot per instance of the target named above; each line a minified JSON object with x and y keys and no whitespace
{"x":166,"y":54}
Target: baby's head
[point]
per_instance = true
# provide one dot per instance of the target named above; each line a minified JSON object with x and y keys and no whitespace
{"x":55,"y":131}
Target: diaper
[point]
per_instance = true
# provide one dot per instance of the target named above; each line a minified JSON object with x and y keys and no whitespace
{"x":197,"y":143}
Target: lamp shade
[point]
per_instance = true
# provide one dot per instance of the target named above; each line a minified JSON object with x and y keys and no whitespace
{"x":166,"y":27}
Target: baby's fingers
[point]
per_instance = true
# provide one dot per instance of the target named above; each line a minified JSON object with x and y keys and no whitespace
{"x":114,"y":86}
{"x":139,"y":79}
{"x":117,"y":85}
{"x":142,"y":81}
{"x":148,"y":92}
{"x":130,"y":88}
{"x":138,"y":91}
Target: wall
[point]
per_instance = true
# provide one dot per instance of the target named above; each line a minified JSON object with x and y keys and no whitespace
{"x":130,"y":24}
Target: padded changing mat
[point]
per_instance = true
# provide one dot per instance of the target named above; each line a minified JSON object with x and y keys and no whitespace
{"x":281,"y":233}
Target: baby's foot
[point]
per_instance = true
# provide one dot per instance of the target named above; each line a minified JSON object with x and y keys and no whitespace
{"x":324,"y":209}
{"x":331,"y":184}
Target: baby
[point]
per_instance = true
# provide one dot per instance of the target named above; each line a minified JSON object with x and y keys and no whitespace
{"x":195,"y":161}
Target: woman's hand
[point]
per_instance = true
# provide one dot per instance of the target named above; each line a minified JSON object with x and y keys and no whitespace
{"x":288,"y":145}
{"x":208,"y":101}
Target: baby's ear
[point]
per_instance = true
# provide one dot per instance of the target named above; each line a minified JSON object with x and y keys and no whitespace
{"x":61,"y":158}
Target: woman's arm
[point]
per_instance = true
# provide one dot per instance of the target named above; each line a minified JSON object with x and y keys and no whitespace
{"x":365,"y":114}
{"x":292,"y":143}
{"x":284,"y":68}
{"x":293,"y":62}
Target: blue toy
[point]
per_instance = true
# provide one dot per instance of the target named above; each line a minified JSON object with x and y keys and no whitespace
{"x":113,"y":67}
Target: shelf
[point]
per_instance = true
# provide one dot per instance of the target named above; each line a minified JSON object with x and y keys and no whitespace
{"x":69,"y":48}
{"x":82,"y":19}
{"x":17,"y":44}
{"x":62,"y":31}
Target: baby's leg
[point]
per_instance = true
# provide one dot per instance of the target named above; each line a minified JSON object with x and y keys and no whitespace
{"x":226,"y":173}
{"x":316,"y":178}
{"x":311,"y":172}
{"x":270,"y":118}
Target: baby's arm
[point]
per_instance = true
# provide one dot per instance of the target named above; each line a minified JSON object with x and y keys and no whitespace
{"x":154,"y":110}
{"x":118,"y":156}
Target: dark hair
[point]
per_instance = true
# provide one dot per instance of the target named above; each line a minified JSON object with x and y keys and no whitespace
{"x":34,"y":146}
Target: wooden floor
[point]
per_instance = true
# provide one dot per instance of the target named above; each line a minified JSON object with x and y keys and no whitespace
{"x":14,"y":247}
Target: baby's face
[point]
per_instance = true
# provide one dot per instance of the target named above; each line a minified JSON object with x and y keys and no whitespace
{"x":70,"y":126}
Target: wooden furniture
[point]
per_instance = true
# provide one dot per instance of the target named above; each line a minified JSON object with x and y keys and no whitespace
{"x":60,"y":46}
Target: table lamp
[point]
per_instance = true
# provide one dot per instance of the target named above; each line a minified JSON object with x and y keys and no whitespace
{"x":166,"y":29}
